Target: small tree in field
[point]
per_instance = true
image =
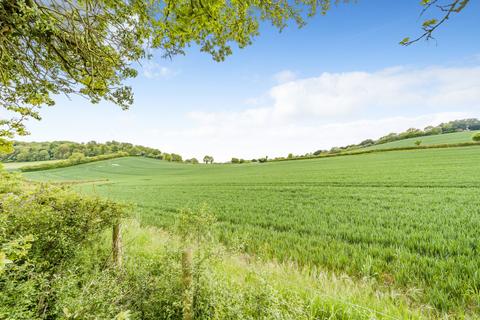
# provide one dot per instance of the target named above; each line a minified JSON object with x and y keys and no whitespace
{"x":476,"y":137}
{"x":208,"y":159}
{"x":418,"y":143}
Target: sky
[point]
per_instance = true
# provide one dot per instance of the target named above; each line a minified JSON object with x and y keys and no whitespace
{"x":339,"y":80}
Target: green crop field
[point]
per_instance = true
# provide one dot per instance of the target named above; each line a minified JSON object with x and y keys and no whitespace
{"x":408,"y":219}
{"x":448,"y":138}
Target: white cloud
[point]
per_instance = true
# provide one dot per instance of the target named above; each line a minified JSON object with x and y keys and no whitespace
{"x":333,"y":109}
{"x":284,"y":76}
{"x":300,"y":116}
{"x":153,"y":70}
{"x":334,"y":95}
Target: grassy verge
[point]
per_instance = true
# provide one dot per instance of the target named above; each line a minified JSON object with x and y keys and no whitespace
{"x":231,"y":285}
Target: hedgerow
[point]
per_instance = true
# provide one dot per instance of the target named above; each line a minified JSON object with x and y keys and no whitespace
{"x":72,"y":161}
{"x":350,"y":153}
{"x":42,"y":227}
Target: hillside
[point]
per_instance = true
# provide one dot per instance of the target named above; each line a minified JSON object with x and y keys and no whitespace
{"x":381,"y":215}
{"x":17,"y":165}
{"x":447,"y":138}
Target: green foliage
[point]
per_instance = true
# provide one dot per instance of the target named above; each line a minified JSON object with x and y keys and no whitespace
{"x":208,"y":159}
{"x":476,"y":137}
{"x":78,"y":157}
{"x":418,"y":142}
{"x":42,"y":228}
{"x":429,"y":23}
{"x":368,"y":215}
{"x":5,"y":146}
{"x":237,"y":160}
{"x":195,"y":225}
{"x":449,"y":127}
{"x":192,"y":161}
{"x":456,"y":138}
{"x":443,"y":133}
{"x":88,"y":47}
{"x":445,"y":9}
{"x":62,"y":150}
{"x":54,"y":256}
{"x":227,"y":286}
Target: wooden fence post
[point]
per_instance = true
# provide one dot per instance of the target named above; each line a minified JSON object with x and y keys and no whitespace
{"x":117,"y":245}
{"x":187,"y":279}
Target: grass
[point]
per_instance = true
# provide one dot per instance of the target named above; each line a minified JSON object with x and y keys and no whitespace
{"x":10,"y":166}
{"x":448,"y":138}
{"x":408,"y":219}
{"x":309,"y":294}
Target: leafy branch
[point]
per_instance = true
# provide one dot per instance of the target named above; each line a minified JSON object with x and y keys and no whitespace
{"x":429,"y":26}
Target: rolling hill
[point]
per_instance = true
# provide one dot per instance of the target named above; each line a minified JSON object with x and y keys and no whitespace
{"x":393,"y":216}
{"x":447,"y":138}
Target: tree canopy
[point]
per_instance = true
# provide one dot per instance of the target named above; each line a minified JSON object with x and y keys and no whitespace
{"x":89,"y":47}
{"x":62,"y":150}
{"x":208,"y":159}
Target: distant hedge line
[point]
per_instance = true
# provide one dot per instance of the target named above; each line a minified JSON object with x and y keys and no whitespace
{"x":351,"y":153}
{"x":72,"y":162}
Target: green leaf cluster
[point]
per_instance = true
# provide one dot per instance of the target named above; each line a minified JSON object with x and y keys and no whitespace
{"x":88,"y":47}
{"x":42,"y":227}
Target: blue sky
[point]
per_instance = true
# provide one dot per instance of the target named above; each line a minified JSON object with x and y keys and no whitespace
{"x":340,"y":79}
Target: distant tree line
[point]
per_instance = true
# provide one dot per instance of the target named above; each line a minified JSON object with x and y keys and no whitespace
{"x":443,"y":128}
{"x":449,"y":127}
{"x":63,"y":150}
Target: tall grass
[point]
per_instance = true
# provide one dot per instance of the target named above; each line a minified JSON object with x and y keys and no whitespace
{"x":229,"y":285}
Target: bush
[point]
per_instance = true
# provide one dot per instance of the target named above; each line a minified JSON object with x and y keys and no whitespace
{"x":42,"y":227}
{"x":76,"y":157}
{"x":476,"y":137}
{"x":418,"y":142}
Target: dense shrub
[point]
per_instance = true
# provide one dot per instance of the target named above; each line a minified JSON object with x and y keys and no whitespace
{"x":42,"y":227}
{"x":476,"y":137}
